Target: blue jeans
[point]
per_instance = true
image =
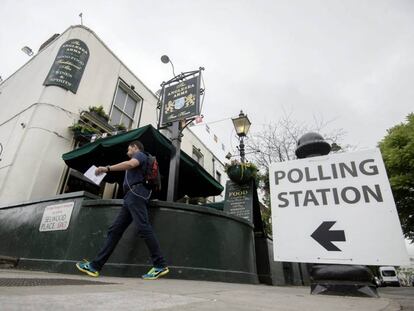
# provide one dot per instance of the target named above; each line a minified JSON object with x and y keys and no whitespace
{"x":134,"y":209}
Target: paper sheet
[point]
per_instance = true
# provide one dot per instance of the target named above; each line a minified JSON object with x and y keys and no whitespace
{"x":90,"y":174}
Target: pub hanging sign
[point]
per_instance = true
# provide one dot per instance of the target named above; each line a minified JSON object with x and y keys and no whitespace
{"x":181,"y":101}
{"x":69,"y":65}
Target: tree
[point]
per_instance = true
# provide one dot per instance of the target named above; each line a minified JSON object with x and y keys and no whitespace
{"x":276,"y":142}
{"x":397,"y":149}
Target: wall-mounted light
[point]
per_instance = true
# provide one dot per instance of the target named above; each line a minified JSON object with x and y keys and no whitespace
{"x":27,"y":50}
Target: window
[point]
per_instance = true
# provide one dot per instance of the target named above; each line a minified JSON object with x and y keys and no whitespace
{"x":207,"y":129}
{"x":223,"y":147}
{"x":125,"y":106}
{"x":215,"y":138}
{"x":388,"y":273}
{"x":218,"y":176}
{"x":198,"y":156}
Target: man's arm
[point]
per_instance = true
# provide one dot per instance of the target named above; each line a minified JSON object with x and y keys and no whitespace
{"x":123,"y":166}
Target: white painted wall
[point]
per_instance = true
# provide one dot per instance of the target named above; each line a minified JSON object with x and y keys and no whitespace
{"x":34,"y":119}
{"x":31,"y":166}
{"x":212,"y":163}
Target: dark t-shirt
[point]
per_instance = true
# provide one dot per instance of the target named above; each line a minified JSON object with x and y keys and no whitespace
{"x":137,"y":174}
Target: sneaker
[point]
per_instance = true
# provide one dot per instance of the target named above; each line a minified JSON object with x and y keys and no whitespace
{"x":155,"y":273}
{"x":86,"y":267}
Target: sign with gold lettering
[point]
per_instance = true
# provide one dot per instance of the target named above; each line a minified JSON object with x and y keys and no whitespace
{"x":181,"y":101}
{"x":69,"y":65}
{"x":239,"y":200}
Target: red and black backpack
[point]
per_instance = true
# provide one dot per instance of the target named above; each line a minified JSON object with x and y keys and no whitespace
{"x":152,"y":173}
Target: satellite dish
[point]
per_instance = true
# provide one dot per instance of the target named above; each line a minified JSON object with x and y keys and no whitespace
{"x":165,"y":59}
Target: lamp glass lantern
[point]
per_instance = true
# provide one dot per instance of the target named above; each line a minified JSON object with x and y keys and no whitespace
{"x":241,"y":124}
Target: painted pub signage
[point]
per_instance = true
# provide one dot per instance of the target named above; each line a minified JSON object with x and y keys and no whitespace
{"x":181,"y":101}
{"x":69,"y":65}
{"x":239,"y":200}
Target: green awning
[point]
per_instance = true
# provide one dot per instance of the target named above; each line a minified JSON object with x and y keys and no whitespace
{"x":194,"y":180}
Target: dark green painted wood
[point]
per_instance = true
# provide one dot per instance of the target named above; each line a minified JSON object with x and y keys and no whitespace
{"x":199,"y":243}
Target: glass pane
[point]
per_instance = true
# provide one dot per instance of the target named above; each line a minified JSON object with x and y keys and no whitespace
{"x":127,"y":122}
{"x":115,"y":116}
{"x":120,"y":98}
{"x":130,"y":106}
{"x":388,"y":273}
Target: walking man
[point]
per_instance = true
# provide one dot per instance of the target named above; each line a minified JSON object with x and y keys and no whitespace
{"x":134,"y":209}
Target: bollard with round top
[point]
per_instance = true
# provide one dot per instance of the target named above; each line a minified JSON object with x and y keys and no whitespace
{"x":331,"y":279}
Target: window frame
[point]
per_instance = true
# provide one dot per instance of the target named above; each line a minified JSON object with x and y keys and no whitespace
{"x":218,"y":176}
{"x":121,"y":84}
{"x":200,"y":156}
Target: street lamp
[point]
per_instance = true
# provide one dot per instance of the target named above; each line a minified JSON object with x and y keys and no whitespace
{"x":241,"y":125}
{"x":165,"y":59}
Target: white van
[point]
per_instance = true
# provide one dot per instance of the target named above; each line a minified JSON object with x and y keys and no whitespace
{"x":389,"y":276}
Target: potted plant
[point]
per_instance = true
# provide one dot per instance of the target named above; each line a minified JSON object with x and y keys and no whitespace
{"x":99,"y":112}
{"x":82,"y":131}
{"x":240,"y":172}
{"x":120,"y":127}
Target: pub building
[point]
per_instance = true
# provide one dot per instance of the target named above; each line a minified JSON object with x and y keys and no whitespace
{"x":54,"y":91}
{"x":75,"y":104}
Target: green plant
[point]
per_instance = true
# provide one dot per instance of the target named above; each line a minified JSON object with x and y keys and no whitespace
{"x":120,"y":127}
{"x":81,"y":128}
{"x":239,"y":172}
{"x":245,"y":165}
{"x":397,"y":149}
{"x":99,"y":110}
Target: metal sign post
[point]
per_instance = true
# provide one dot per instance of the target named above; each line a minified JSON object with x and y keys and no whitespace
{"x":180,"y":103}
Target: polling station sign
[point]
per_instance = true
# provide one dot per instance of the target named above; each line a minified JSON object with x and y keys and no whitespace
{"x":338,"y":209}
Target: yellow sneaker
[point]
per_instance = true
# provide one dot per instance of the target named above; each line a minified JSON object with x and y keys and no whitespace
{"x":87,"y":268}
{"x":155,"y":273}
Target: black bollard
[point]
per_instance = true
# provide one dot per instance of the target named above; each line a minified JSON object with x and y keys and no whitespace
{"x":332,"y":279}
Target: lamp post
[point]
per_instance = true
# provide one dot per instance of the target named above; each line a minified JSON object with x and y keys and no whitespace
{"x":179,"y":105}
{"x":241,"y":125}
{"x":175,"y":151}
{"x":165,"y":59}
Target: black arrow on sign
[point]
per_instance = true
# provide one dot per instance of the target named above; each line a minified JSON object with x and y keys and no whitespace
{"x":325,"y":237}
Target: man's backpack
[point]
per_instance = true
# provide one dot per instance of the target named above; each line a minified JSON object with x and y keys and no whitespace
{"x":152,"y":173}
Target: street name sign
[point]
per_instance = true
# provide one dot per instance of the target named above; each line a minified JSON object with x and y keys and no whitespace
{"x":337,"y":209}
{"x":56,"y":217}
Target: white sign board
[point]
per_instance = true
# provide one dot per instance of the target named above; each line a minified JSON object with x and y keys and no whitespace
{"x":56,"y":217}
{"x":335,"y":209}
{"x":90,"y":174}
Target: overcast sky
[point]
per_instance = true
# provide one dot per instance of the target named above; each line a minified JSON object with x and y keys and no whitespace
{"x":348,"y":62}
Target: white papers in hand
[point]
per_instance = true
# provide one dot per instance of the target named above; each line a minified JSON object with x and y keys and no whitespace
{"x":90,"y":174}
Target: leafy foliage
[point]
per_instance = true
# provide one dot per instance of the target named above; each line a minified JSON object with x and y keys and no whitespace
{"x":277,"y":143}
{"x":100,"y":111}
{"x":397,"y":149}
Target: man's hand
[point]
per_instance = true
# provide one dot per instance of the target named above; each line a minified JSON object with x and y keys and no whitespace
{"x":123,"y":166}
{"x":101,"y":169}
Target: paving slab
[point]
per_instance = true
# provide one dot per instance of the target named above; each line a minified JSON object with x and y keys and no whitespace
{"x":112,"y":293}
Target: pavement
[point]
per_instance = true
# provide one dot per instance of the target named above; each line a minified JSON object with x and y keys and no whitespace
{"x":54,"y":291}
{"x":403,"y":295}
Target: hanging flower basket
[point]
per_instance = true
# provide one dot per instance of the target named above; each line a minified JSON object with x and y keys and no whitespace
{"x":82,"y":132}
{"x":241,"y":173}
